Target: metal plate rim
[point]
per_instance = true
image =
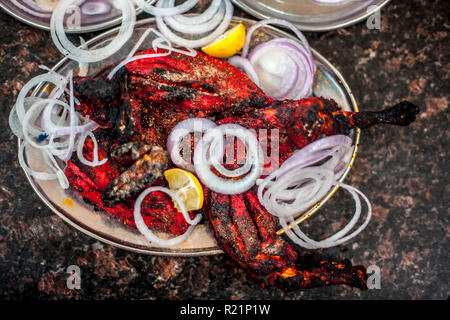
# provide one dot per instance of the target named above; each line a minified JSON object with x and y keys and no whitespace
{"x":43,"y":26}
{"x":305,"y":27}
{"x":205,"y":252}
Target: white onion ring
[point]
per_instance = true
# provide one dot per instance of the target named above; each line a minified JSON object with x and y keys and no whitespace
{"x":158,"y":11}
{"x":277,"y":70}
{"x":95,"y":162}
{"x":45,"y":176}
{"x":31,"y":115}
{"x":157,"y":44}
{"x":216,"y":183}
{"x":180,"y":131}
{"x":131,"y":59}
{"x":198,"y":28}
{"x":316,"y":151}
{"x":172,"y":37}
{"x":68,"y":49}
{"x":216,"y":156}
{"x":73,"y":121}
{"x":280,"y":22}
{"x":339,"y":237}
{"x":58,"y":80}
{"x":245,"y":65}
{"x":284,"y":195}
{"x":83,"y":68}
{"x":201,"y":18}
{"x":58,"y":130}
{"x":298,"y":166}
{"x":294,"y":83}
{"x":301,"y":198}
{"x":148,"y":234}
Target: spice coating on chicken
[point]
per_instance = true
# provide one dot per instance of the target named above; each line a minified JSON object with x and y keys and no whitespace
{"x":148,"y":97}
{"x":151,"y":162}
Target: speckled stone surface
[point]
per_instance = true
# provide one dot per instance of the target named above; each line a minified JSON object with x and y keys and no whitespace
{"x":404,"y":172}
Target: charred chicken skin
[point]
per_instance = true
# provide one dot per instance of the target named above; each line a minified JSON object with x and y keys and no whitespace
{"x":138,"y":108}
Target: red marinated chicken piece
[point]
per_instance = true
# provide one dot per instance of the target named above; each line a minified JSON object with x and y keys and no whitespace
{"x":148,"y":97}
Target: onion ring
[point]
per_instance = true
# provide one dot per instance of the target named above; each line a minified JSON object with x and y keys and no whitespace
{"x":172,"y":37}
{"x":68,"y":49}
{"x":158,"y":11}
{"x":148,"y":234}
{"x":216,"y":183}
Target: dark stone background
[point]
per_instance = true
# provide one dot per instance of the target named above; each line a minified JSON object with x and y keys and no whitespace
{"x":404,"y":171}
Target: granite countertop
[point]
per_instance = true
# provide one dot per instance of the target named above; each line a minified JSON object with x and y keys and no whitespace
{"x":403,"y":170}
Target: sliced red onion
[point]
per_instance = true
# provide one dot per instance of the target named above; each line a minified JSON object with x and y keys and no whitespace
{"x":216,"y":183}
{"x":96,"y":7}
{"x":277,"y":71}
{"x":279,"y":22}
{"x":168,"y":11}
{"x":246,"y":66}
{"x":180,"y":131}
{"x":303,"y":180}
{"x":148,"y":234}
{"x":285,"y":67}
{"x":285,"y":71}
{"x":195,"y":43}
{"x":318,"y":150}
{"x":305,"y":77}
{"x":307,"y":186}
{"x":67,"y":48}
{"x":297,"y":48}
{"x":339,"y":237}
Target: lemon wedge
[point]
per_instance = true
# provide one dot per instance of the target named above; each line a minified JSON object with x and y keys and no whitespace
{"x":228,"y":44}
{"x":186,"y":186}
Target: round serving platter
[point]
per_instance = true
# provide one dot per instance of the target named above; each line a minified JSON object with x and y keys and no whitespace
{"x":329,"y":83}
{"x":310,"y":16}
{"x":23,"y":11}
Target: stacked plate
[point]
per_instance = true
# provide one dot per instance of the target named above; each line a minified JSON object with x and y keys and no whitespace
{"x":308,"y":15}
{"x":88,"y":16}
{"x":312,"y":15}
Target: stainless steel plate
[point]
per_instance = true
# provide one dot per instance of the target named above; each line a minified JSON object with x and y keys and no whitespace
{"x":310,"y":16}
{"x":328,"y":83}
{"x":41,"y":19}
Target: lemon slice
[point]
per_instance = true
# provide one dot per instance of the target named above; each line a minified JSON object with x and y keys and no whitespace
{"x":186,"y":186}
{"x":228,"y":44}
